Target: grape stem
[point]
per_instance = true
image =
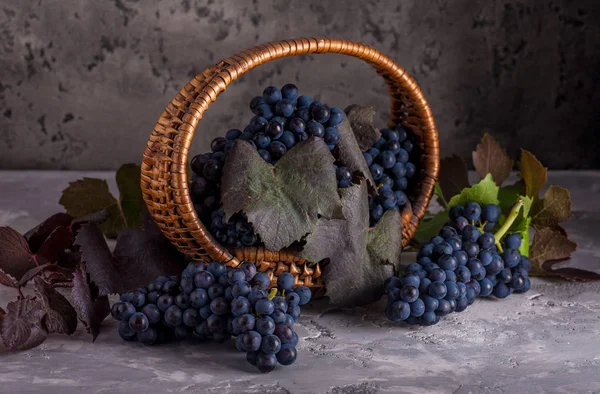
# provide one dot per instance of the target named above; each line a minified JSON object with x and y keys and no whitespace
{"x":512,"y":216}
{"x":273,"y":293}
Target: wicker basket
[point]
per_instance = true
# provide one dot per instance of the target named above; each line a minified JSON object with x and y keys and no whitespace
{"x":164,"y":179}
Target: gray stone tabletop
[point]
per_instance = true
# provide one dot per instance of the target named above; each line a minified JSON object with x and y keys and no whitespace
{"x":544,"y":341}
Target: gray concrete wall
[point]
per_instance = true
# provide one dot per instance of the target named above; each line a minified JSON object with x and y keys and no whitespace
{"x":83,"y":81}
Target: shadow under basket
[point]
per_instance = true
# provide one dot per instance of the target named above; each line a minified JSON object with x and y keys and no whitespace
{"x":164,"y":178}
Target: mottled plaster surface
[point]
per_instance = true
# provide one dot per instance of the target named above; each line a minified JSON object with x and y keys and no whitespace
{"x":83,"y":81}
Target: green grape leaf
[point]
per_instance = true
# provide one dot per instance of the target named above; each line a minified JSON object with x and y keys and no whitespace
{"x":283,"y":202}
{"x":361,"y":120}
{"x":440,"y":195}
{"x":357,"y":259}
{"x":348,"y":152}
{"x":553,"y":209}
{"x":431,"y":227}
{"x":509,"y":194}
{"x":533,"y":174}
{"x":491,"y":158}
{"x":522,"y":223}
{"x":87,"y":196}
{"x":485,"y":192}
{"x":453,"y":177}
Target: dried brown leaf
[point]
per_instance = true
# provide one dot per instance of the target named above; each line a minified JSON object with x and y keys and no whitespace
{"x":491,"y":158}
{"x":549,"y":244}
{"x":553,"y":209}
{"x":533,"y":174}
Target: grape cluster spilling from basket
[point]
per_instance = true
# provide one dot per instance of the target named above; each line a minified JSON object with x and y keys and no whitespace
{"x":213,"y":302}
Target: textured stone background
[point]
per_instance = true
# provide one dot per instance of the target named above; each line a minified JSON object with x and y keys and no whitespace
{"x":83,"y":81}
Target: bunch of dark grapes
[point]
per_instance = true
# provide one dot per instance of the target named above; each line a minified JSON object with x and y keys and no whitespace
{"x":213,"y":302}
{"x":462,"y":262}
{"x":282,"y":119}
{"x":390,"y":162}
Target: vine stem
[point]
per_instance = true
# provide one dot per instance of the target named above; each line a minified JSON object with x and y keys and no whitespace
{"x":273,"y":293}
{"x":512,"y":216}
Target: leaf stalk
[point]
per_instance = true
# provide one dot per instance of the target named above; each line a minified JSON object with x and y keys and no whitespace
{"x":512,"y":216}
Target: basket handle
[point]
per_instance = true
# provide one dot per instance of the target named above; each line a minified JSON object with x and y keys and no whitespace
{"x":164,"y":179}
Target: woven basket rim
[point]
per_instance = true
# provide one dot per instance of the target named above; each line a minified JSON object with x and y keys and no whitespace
{"x":164,"y":166}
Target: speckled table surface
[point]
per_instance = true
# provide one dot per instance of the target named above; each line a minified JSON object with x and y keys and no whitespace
{"x":544,"y":341}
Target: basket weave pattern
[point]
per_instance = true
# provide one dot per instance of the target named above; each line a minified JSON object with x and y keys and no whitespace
{"x":164,"y":179}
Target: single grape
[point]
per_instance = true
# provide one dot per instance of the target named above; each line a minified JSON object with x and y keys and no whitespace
{"x":304,"y":293}
{"x":491,"y":213}
{"x":173,"y":316}
{"x":251,"y":341}
{"x":292,"y":298}
{"x":320,"y":113}
{"x":271,"y":344}
{"x":152,"y":313}
{"x":198,"y":298}
{"x":417,"y":308}
{"x":240,"y":306}
{"x":138,"y":322}
{"x":204,"y":279}
{"x":472,"y":211}
{"x":164,"y":302}
{"x":219,"y":306}
{"x":272,"y":95}
{"x":125,"y":331}
{"x":287,"y":354}
{"x":512,"y":241}
{"x":122,"y":311}
{"x":265,"y":325}
{"x":266,"y":362}
{"x":264,"y":306}
{"x":285,"y":281}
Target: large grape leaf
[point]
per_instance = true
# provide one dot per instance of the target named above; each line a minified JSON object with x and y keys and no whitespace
{"x":431,"y":227}
{"x":284,"y":201}
{"x":87,"y":196}
{"x":485,"y":192}
{"x":361,"y":119}
{"x":142,"y":255}
{"x":359,"y":258}
{"x":509,"y":194}
{"x":491,"y":158}
{"x":348,"y":152}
